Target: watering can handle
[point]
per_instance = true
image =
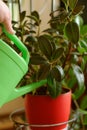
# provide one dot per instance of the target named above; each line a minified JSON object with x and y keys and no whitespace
{"x":18,"y":43}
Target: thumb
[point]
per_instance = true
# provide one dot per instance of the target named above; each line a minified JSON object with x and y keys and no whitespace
{"x":8,"y":26}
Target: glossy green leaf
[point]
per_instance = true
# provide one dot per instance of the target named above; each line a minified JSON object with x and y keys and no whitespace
{"x":36,"y":14}
{"x":59,"y":19}
{"x":83,"y":103}
{"x":80,"y":79}
{"x":72,"y":3}
{"x":83,"y":45}
{"x":84,"y":115}
{"x":78,"y":9}
{"x":72,"y":32}
{"x":50,"y":30}
{"x":45,"y":46}
{"x":81,"y":50}
{"x":35,"y":19}
{"x":79,"y":20}
{"x":52,"y":41}
{"x":36,"y":59}
{"x":53,"y":47}
{"x":31,"y":39}
{"x":58,"y":53}
{"x":85,"y":120}
{"x":81,"y":111}
{"x":22,"y":15}
{"x":58,"y":73}
{"x":72,"y":80}
{"x":84,"y":30}
{"x":44,"y":71}
{"x":64,"y":1}
{"x":54,"y":87}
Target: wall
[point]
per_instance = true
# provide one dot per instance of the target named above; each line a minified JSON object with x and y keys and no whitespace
{"x":42,"y":6}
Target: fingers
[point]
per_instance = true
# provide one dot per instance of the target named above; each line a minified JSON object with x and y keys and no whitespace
{"x":5,"y":17}
{"x":8,"y":26}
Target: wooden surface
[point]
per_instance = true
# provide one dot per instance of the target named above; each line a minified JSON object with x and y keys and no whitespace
{"x":5,"y":123}
{"x":11,"y":106}
{"x":11,"y":122}
{"x":5,"y":111}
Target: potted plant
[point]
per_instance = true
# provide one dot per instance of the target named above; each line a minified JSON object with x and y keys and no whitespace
{"x":58,"y":54}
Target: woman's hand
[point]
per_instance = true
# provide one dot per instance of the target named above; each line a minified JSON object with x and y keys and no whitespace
{"x":5,"y":17}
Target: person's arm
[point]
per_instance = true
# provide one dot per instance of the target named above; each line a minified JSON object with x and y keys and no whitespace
{"x":5,"y":17}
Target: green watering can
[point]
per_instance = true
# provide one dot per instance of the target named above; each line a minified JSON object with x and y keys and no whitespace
{"x":12,"y":69}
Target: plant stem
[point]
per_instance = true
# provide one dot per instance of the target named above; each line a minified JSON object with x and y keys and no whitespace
{"x":67,"y":56}
{"x":38,"y":32}
{"x":81,"y":116}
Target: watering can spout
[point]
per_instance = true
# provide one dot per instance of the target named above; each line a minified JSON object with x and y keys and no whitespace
{"x":17,"y":92}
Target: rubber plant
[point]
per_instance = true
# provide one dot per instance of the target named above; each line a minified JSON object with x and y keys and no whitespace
{"x":56,"y":50}
{"x":58,"y":53}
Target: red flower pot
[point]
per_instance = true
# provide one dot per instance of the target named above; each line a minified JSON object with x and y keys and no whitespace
{"x":43,"y":110}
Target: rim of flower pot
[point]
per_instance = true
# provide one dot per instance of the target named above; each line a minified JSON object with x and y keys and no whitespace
{"x":66,"y":91}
